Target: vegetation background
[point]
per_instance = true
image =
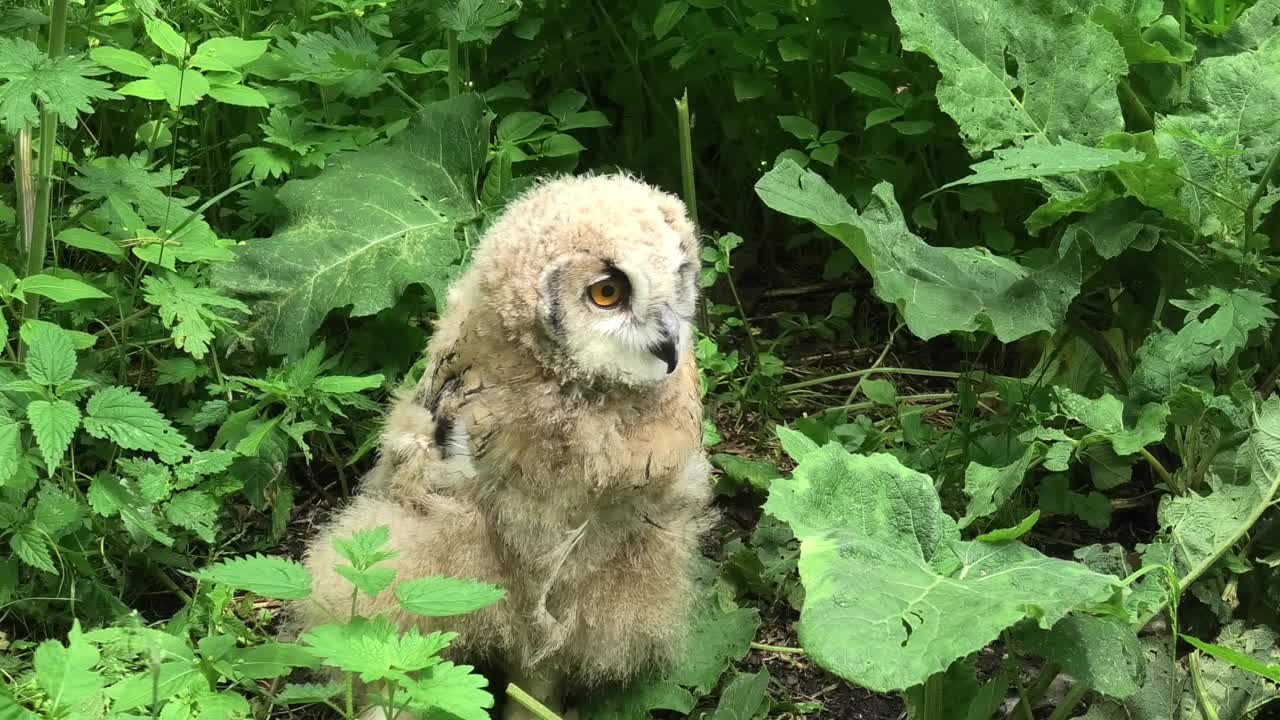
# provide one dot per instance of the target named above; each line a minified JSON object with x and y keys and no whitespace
{"x":989,"y":352}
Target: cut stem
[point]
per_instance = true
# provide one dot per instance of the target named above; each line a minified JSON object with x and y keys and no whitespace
{"x":530,"y":703}
{"x":686,"y":156}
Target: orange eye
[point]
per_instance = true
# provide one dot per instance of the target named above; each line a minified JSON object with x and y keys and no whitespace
{"x":608,"y":293}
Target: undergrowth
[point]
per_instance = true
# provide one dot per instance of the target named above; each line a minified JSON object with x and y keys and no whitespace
{"x":988,"y":351}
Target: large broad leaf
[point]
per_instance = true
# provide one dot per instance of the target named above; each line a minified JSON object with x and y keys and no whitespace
{"x":892,"y":596}
{"x":367,"y":226}
{"x":1221,"y":141}
{"x":938,"y":290}
{"x":1067,"y":69}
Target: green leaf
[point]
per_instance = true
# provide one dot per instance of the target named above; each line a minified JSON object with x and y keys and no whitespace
{"x":269,"y":660}
{"x":867,"y":85}
{"x":1106,"y":416}
{"x":364,"y":548}
{"x":478,"y":20}
{"x":85,"y":240}
{"x":795,"y":444}
{"x":188,"y":311}
{"x":1044,"y":160}
{"x":408,"y":198}
{"x":669,"y":15}
{"x":122,"y":61}
{"x":61,"y":290}
{"x":56,"y":512}
{"x":145,"y":88}
{"x":880,"y":116}
{"x":194,"y":510}
{"x":228,"y":53}
{"x":10,"y":449}
{"x":1161,"y":42}
{"x":30,"y":547}
{"x":937,"y":290}
{"x":168,"y":679}
{"x":108,"y":496}
{"x":445,"y":596}
{"x":179,"y":87}
{"x":166,"y":38}
{"x":801,"y":128}
{"x":1013,"y":533}
{"x":718,"y":637}
{"x":128,"y":419}
{"x":891,"y":595}
{"x":60,"y":85}
{"x":307,"y":693}
{"x":66,"y":673}
{"x":51,"y":359}
{"x":241,"y":95}
{"x":343,"y":384}
{"x":455,"y":689}
{"x":880,"y":392}
{"x":746,"y":472}
{"x":1236,"y":658}
{"x":589,"y":119}
{"x":1102,"y":653}
{"x":371,"y":581}
{"x":989,"y":488}
{"x":268,"y":576}
{"x":743,"y":696}
{"x":1067,"y":69}
{"x":374,"y":648}
{"x":53,"y":424}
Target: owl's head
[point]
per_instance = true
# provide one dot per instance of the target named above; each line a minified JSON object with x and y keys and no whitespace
{"x":596,"y":276}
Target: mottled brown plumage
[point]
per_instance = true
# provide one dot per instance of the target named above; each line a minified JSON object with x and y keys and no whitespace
{"x":548,"y":447}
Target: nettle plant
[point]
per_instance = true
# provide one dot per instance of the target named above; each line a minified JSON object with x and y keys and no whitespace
{"x":132,"y":670}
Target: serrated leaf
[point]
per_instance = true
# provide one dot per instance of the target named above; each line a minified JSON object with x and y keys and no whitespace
{"x":66,"y":673}
{"x":31,"y":548}
{"x":1106,"y":416}
{"x":363,"y":549}
{"x":937,"y":289}
{"x":10,"y":449}
{"x":59,"y":290}
{"x":446,"y":596}
{"x":1067,"y":69}
{"x":168,"y":679}
{"x":53,"y":424}
{"x":408,"y":197}
{"x":51,"y":358}
{"x":188,"y":311}
{"x":478,"y":20}
{"x":1044,"y":160}
{"x":56,"y":512}
{"x":195,"y":511}
{"x":60,"y":85}
{"x":128,"y":419}
{"x":268,"y":576}
{"x":108,"y":496}
{"x":369,"y":581}
{"x":455,"y":689}
{"x":891,"y":595}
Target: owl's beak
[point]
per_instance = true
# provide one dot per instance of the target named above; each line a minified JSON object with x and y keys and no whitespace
{"x":668,"y":348}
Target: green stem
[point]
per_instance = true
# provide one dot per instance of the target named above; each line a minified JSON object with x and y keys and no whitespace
{"x":777,"y":649}
{"x":1202,"y":694}
{"x":686,"y":156}
{"x":1069,"y":703}
{"x":922,"y":397}
{"x":1130,"y":100}
{"x":870,"y":371}
{"x":1259,"y":191}
{"x":530,"y":703}
{"x":1037,"y":690}
{"x":44,"y":176}
{"x":454,"y":63}
{"x":1158,"y":467}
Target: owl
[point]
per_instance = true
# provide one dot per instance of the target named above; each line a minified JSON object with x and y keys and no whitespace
{"x":553,"y":445}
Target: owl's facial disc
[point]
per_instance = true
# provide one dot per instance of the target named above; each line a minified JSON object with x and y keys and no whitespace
{"x":624,"y":320}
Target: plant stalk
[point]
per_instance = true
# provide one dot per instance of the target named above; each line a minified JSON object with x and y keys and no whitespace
{"x":454,"y":63}
{"x":686,"y":157}
{"x":1036,"y":691}
{"x":530,"y":703}
{"x":777,"y":649}
{"x":1069,"y":703}
{"x":1259,"y":191}
{"x":44,"y":173}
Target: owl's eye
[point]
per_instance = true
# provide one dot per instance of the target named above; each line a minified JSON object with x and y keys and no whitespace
{"x":610,"y":292}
